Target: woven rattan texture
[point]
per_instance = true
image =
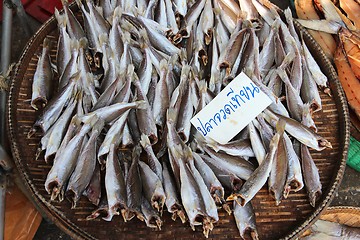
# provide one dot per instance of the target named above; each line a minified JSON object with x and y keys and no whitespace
{"x":285,"y":221}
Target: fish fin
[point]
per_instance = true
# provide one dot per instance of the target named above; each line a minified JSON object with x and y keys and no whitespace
{"x":280,"y":126}
{"x":288,"y":14}
{"x":61,"y":19}
{"x":173,"y":59}
{"x":185,"y":70}
{"x":183,"y":55}
{"x":276,"y":25}
{"x":270,"y":5}
{"x":145,"y":141}
{"x":217,"y":11}
{"x":144,"y":35}
{"x":171,"y":114}
{"x":83,"y":42}
{"x":141,"y":104}
{"x":131,"y":71}
{"x":307,"y":108}
{"x":92,"y":120}
{"x":99,"y":125}
{"x":287,"y":60}
{"x":126,"y":37}
{"x":103,"y":38}
{"x":99,"y":10}
{"x":117,"y":12}
{"x":283,"y":75}
{"x":177,"y":152}
{"x":75,"y":76}
{"x":163,"y":64}
{"x":47,"y":43}
{"x":203,"y":86}
{"x":213,"y":144}
{"x":65,"y":2}
{"x":188,"y":154}
{"x":135,"y":155}
{"x":74,"y":44}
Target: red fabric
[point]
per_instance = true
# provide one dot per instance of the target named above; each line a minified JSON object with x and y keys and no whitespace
{"x":41,"y":10}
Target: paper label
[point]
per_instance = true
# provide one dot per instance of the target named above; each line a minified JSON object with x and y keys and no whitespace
{"x":231,"y":110}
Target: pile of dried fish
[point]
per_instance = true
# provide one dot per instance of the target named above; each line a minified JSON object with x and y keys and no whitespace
{"x":343,"y":21}
{"x":135,"y":74}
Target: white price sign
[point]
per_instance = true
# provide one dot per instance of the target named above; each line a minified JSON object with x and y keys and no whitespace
{"x":231,"y":110}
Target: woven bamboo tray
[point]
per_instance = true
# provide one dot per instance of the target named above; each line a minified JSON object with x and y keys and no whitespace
{"x":286,"y":221}
{"x":349,"y":216}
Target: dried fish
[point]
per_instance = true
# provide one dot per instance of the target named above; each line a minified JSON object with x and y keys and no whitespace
{"x":64,"y":163}
{"x":261,"y":174}
{"x":152,"y":160}
{"x":311,"y":176}
{"x":294,"y":180}
{"x":240,"y":148}
{"x":299,"y":131}
{"x":84,"y":168}
{"x":134,"y":187}
{"x":278,"y":173}
{"x":43,"y":78}
{"x":115,"y":186}
{"x":152,"y":218}
{"x":152,"y":187}
{"x":245,"y":220}
{"x":172,"y":202}
{"x":132,"y":79}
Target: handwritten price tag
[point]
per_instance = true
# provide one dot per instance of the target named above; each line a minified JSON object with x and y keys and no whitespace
{"x":231,"y":110}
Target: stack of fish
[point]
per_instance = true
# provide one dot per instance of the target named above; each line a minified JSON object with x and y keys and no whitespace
{"x":130,"y":80}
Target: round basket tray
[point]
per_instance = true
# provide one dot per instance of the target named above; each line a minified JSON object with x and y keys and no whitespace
{"x":349,"y":216}
{"x":286,"y":221}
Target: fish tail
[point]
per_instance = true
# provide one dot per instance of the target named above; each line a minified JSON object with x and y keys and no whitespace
{"x":183,"y":55}
{"x":163,"y":64}
{"x":145,"y":141}
{"x":288,"y":14}
{"x":117,"y":12}
{"x":99,"y":10}
{"x":83,"y":42}
{"x":74,"y":44}
{"x":285,"y":63}
{"x":202,"y":86}
{"x":188,"y":153}
{"x":141,"y":104}
{"x":283,"y":75}
{"x":103,"y":38}
{"x":173,"y":59}
{"x":47,"y":43}
{"x":126,"y":36}
{"x":144,"y":36}
{"x":176,"y":151}
{"x":130,"y":70}
{"x":217,"y":11}
{"x":276,"y":24}
{"x":65,"y":3}
{"x":61,"y":19}
{"x":171,"y":114}
{"x":185,"y":70}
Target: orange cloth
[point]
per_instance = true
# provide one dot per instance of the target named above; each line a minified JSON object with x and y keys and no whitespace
{"x":21,"y":218}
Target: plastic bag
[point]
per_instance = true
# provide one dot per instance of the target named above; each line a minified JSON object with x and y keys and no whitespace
{"x":21,"y":218}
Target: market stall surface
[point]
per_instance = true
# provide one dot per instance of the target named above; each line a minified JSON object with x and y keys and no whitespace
{"x":348,"y":193}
